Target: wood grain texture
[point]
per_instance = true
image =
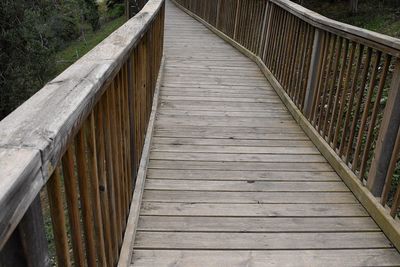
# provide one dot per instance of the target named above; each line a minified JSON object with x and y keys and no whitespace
{"x":277,"y":258}
{"x":231,"y":181}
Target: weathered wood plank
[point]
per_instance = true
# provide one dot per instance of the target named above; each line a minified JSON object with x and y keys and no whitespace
{"x":255,"y":225}
{"x":225,"y":157}
{"x":235,"y":149}
{"x":255,"y":241}
{"x":252,"y":210}
{"x":243,"y":175}
{"x":278,"y":258}
{"x":249,"y":185}
{"x":174,"y":196}
{"x":241,"y":166}
{"x":230,"y":142}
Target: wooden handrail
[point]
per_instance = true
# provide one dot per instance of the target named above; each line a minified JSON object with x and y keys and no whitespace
{"x":340,"y":82}
{"x":81,"y":136}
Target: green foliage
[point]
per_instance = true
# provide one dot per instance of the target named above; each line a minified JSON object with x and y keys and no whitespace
{"x":116,"y":11}
{"x":92,"y":14}
{"x":26,"y":51}
{"x":31,"y":33}
{"x":79,"y":47}
{"x":380,"y":16}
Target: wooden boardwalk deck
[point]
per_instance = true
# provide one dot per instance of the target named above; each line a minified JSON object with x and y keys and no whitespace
{"x":232,"y":179}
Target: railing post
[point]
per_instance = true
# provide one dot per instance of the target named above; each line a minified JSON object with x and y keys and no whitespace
{"x":270,"y":11}
{"x":217,"y":18}
{"x":263,"y":31}
{"x":387,"y":136}
{"x":313,"y":73}
{"x":236,"y":20}
{"x":27,"y":246}
{"x":132,"y":122}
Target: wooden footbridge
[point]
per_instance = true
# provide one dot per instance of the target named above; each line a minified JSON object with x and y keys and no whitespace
{"x":210,"y":133}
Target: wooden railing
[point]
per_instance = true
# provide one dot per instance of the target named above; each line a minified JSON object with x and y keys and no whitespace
{"x":70,"y":154}
{"x":340,"y":82}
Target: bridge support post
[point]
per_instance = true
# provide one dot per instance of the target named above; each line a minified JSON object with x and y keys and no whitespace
{"x":313,"y":74}
{"x":387,"y":137}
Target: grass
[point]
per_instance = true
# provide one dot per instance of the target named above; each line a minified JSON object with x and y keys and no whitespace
{"x":81,"y":46}
{"x":373,"y":15}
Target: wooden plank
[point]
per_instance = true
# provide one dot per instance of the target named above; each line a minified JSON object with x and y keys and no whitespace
{"x":252,"y":210}
{"x":235,"y":149}
{"x":224,"y":157}
{"x":174,"y":196}
{"x":269,"y":134}
{"x":242,"y":166}
{"x":230,"y":142}
{"x":255,"y":241}
{"x":221,"y":99}
{"x":243,"y":175}
{"x":170,"y":121}
{"x":244,"y":186}
{"x":278,"y":258}
{"x":255,"y":225}
{"x":279,"y":132}
{"x":228,"y":114}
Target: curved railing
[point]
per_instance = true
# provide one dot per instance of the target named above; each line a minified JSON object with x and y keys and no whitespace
{"x":340,"y":82}
{"x":81,"y":138}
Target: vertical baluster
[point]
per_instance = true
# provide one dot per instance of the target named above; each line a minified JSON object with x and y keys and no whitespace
{"x":58,"y":218}
{"x":326,"y":82}
{"x":332,"y":91}
{"x":299,"y":64}
{"x":344,"y":96}
{"x":108,"y":226}
{"x":374,"y":115}
{"x":358,"y":104}
{"x":322,"y":76}
{"x":290,"y":52}
{"x":285,"y":46}
{"x":290,"y":85}
{"x":119,"y":146}
{"x":351,"y":99}
{"x":281,"y":36}
{"x":72,"y":199}
{"x":338,"y":90}
{"x":115,"y":157}
{"x":365,"y":113}
{"x":237,"y":13}
{"x":110,"y":175}
{"x":270,"y":49}
{"x":314,"y":72}
{"x":94,"y":184}
{"x":267,"y":43}
{"x":305,"y":65}
{"x":85,"y":194}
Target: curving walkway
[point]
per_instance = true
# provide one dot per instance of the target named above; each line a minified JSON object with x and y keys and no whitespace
{"x":232,"y":179}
